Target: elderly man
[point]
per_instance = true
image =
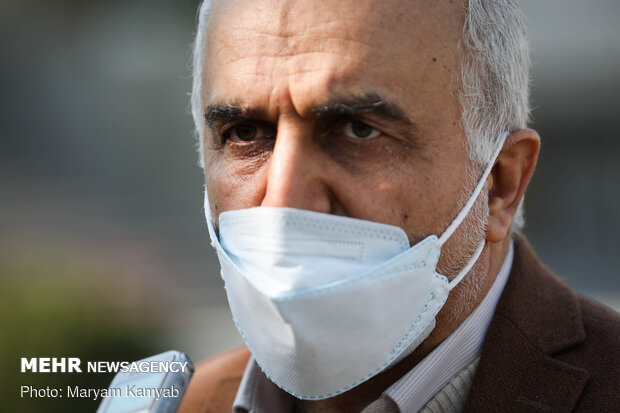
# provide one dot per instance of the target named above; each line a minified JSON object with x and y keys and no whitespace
{"x":365,"y":165}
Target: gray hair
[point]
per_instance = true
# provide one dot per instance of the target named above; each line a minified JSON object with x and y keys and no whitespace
{"x":493,"y":84}
{"x":200,"y":43}
{"x":494,"y":81}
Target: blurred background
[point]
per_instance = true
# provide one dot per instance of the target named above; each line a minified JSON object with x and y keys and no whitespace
{"x":104,"y":253}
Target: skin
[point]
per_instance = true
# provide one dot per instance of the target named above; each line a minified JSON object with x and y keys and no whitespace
{"x":277,"y":62}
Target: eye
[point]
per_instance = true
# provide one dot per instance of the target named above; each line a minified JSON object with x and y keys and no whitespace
{"x":359,"y":130}
{"x":245,"y":133}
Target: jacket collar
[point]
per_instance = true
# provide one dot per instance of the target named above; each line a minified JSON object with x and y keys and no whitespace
{"x":537,"y":316}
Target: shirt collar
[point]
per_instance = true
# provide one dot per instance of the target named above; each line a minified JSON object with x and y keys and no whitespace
{"x":258,"y":394}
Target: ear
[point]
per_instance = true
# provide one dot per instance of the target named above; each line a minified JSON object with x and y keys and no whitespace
{"x":509,"y":178}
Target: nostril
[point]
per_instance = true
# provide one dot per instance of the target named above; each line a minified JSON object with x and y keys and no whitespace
{"x":337,"y":207}
{"x":308,"y":193}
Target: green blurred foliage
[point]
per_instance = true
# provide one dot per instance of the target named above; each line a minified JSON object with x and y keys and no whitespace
{"x":58,"y":305}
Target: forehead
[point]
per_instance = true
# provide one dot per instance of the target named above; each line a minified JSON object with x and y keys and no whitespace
{"x":261,"y":50}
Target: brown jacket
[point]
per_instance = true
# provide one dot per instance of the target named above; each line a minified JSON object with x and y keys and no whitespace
{"x":547,"y":350}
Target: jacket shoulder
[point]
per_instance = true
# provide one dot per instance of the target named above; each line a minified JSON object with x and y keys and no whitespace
{"x":602,"y":328}
{"x":598,"y":314}
{"x":599,"y":354}
{"x":215,"y":382}
{"x":547,"y":347}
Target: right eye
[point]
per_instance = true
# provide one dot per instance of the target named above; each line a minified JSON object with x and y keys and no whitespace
{"x":244,"y":133}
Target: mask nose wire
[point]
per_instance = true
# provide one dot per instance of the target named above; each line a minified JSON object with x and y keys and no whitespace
{"x":474,"y":196}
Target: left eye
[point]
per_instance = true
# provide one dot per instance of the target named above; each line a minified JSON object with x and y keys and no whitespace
{"x":359,"y":130}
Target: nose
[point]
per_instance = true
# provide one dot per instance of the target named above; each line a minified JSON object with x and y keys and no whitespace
{"x":297,"y":171}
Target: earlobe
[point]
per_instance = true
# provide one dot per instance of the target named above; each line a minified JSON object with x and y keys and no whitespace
{"x":508,"y":180}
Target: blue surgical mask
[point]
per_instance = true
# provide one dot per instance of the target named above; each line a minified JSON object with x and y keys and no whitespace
{"x":326,"y":302}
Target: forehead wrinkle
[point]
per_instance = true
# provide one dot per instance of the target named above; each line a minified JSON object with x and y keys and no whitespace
{"x":293,"y":19}
{"x":284,"y":31}
{"x":287,"y":46}
{"x":286,"y":36}
{"x":280,"y":50}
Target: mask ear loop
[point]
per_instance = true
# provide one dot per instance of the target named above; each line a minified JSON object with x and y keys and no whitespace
{"x":468,"y":267}
{"x":461,"y":216}
{"x":209,"y":219}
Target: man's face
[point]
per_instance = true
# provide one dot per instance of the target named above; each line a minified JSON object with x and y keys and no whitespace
{"x":344,"y":107}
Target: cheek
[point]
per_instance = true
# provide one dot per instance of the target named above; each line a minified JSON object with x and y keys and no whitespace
{"x":405,"y":195}
{"x":391,"y":195}
{"x":233,"y":184}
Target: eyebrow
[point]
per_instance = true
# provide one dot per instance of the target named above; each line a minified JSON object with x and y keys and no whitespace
{"x":227,"y":111}
{"x":363,"y":104}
